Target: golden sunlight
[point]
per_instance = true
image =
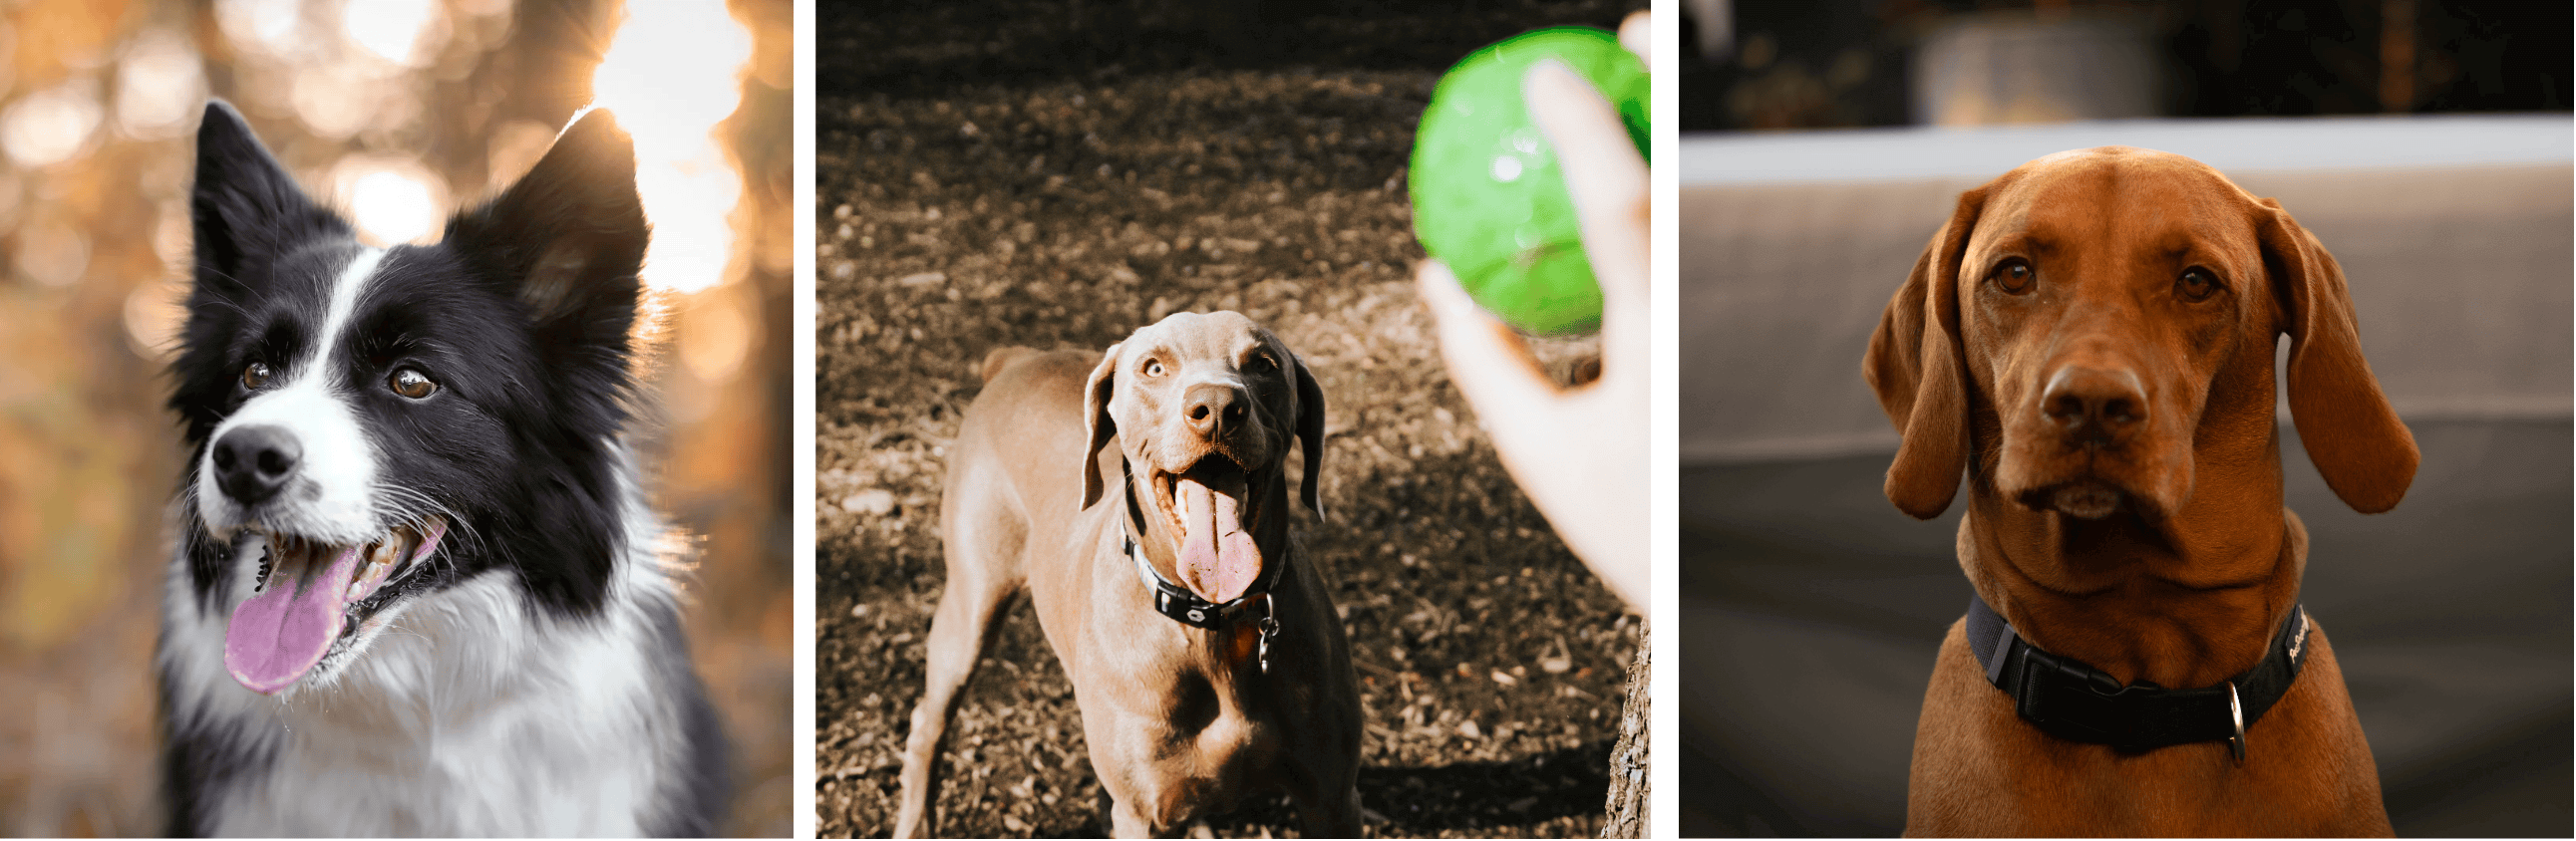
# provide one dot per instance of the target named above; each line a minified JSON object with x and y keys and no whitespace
{"x":673,"y":71}
{"x":393,"y":200}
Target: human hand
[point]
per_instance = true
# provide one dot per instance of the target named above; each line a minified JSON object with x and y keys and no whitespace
{"x":1579,"y":453}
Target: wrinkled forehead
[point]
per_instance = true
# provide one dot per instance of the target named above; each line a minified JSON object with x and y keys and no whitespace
{"x":2132,"y":199}
{"x":1189,"y":338}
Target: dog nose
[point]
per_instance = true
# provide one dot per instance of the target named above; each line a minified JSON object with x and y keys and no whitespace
{"x":253,"y":463}
{"x":2079,"y":398}
{"x":1213,"y":409}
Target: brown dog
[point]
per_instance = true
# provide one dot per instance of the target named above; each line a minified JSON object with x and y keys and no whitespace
{"x":2090,"y":339}
{"x":1182,"y":720}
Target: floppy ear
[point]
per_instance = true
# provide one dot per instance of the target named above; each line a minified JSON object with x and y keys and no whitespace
{"x":244,"y":205}
{"x":1095,"y":413}
{"x":1310,"y":433}
{"x":1914,"y":364}
{"x":568,"y":240}
{"x":2365,"y":453}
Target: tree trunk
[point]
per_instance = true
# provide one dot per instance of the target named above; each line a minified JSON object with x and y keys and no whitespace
{"x":1628,"y":797}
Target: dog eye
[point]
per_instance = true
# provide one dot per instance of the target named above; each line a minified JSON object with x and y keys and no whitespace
{"x":256,"y":376}
{"x":2196,"y":284}
{"x":1262,"y":362}
{"x":410,"y":382}
{"x":1153,"y":367}
{"x":2014,"y":276}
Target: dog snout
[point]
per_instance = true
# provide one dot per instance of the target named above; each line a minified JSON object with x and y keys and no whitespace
{"x":253,"y":463}
{"x":2093,"y":404}
{"x":1214,"y":409}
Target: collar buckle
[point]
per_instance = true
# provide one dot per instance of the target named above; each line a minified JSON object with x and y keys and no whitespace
{"x":2236,"y":712}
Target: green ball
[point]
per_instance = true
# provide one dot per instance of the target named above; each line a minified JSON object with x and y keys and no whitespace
{"x":1488,"y":197}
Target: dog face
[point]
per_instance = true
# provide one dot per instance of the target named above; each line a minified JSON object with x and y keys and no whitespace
{"x":2091,"y":326}
{"x":1204,"y":407}
{"x":374,"y":425}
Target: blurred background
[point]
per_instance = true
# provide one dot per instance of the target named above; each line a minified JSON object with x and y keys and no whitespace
{"x":2427,"y":144}
{"x":1787,"y":64}
{"x":393,"y":110}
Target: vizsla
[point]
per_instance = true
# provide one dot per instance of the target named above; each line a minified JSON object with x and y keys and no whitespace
{"x":1204,"y":651}
{"x":2090,"y":339}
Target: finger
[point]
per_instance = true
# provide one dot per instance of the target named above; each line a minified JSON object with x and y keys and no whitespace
{"x":1638,"y":35}
{"x":1489,"y":363}
{"x":1603,"y":173}
{"x":1608,"y":182}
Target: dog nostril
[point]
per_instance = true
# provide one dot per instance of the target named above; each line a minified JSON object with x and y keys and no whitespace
{"x":2119,"y":410}
{"x":224,"y":457}
{"x":1199,"y":412}
{"x":274,"y":462}
{"x":2066,"y":407}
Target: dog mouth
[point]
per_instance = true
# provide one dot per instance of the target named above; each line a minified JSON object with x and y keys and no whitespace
{"x":1212,"y":508}
{"x":307,"y":595}
{"x":2087,"y":498}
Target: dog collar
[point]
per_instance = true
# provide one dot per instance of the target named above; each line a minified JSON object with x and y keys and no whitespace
{"x":2072,"y":700}
{"x":1186,"y":607}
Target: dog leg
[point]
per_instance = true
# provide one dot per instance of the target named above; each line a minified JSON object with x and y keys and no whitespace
{"x":1326,"y":791}
{"x":1127,"y":819}
{"x":959,"y":633}
{"x":1328,"y":813}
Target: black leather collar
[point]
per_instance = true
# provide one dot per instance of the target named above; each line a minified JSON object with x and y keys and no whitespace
{"x":2072,"y":700}
{"x":1187,"y":608}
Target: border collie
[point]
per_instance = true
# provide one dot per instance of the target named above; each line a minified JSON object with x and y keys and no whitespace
{"x":417,"y":589}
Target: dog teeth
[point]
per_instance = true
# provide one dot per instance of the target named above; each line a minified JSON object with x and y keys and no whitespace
{"x":381,"y":558}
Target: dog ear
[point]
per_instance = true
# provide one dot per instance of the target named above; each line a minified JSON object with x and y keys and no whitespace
{"x":1915,"y":365}
{"x":568,"y":240}
{"x":1095,"y":413}
{"x":244,"y":204}
{"x":2365,"y":453}
{"x":1310,"y":434}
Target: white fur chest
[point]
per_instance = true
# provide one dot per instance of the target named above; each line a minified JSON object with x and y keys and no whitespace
{"x":472,"y":716}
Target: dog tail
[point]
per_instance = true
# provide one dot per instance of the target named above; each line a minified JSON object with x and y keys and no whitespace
{"x":1001,"y":358}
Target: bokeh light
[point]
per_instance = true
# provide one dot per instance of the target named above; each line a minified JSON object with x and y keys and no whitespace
{"x":266,"y":25}
{"x":52,"y":126}
{"x":160,"y":85}
{"x":673,"y":72}
{"x":393,"y":200}
{"x":393,"y":29}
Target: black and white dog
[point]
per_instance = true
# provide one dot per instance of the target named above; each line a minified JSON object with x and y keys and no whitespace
{"x":418,"y":590}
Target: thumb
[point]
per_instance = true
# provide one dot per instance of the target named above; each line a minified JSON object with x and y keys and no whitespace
{"x":1488,"y":361}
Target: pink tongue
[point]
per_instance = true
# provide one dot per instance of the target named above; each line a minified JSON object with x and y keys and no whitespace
{"x":1218,"y":559}
{"x":280,"y":633}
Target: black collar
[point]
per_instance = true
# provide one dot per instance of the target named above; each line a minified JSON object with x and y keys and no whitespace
{"x":2071,"y":700}
{"x":1186,"y":607}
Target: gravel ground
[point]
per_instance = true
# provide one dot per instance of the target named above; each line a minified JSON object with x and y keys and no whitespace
{"x":972,"y":196}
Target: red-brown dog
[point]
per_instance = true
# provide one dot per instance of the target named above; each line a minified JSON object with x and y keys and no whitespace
{"x":2091,"y":340}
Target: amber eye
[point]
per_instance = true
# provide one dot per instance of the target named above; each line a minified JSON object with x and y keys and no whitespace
{"x":1153,"y":367}
{"x":2196,"y":284}
{"x":256,"y":376}
{"x":2014,"y":276}
{"x":410,"y":382}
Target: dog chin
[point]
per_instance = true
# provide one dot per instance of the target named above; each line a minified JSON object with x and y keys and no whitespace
{"x":2088,"y":498}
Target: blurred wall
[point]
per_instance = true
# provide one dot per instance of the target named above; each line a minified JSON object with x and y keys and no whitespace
{"x":1791,"y":64}
{"x":2453,"y":233}
{"x":387,"y":108}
